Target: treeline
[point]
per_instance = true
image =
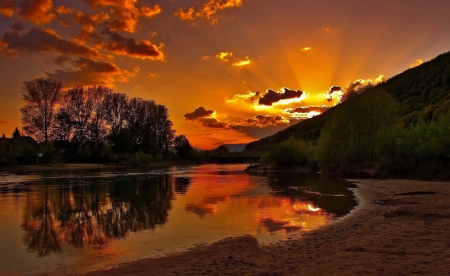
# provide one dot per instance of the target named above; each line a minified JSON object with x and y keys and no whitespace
{"x":422,"y":94}
{"x":366,"y":136}
{"x":94,"y":124}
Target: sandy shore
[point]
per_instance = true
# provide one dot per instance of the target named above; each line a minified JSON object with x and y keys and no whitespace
{"x":401,"y":227}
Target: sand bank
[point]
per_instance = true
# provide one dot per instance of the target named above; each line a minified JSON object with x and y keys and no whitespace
{"x":401,"y":227}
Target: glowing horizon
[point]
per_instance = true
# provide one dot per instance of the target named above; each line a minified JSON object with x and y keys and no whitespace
{"x":216,"y":54}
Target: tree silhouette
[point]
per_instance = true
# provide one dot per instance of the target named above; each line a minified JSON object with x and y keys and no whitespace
{"x":41,"y":96}
{"x":16,"y":133}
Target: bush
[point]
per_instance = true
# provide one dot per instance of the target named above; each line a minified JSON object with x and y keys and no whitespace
{"x":289,"y":153}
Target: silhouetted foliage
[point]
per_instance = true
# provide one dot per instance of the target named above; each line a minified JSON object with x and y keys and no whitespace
{"x":16,"y":133}
{"x":41,"y":96}
{"x":95,"y":125}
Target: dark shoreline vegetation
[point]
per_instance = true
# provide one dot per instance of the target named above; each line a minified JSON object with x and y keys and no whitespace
{"x":399,"y":128}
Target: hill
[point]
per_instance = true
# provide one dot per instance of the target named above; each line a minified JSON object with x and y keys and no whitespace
{"x":422,"y":93}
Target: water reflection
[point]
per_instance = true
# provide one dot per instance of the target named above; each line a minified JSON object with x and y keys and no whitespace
{"x":93,"y":214}
{"x":73,"y":222}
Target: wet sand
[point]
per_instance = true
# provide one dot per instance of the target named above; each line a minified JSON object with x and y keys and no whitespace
{"x":401,"y":227}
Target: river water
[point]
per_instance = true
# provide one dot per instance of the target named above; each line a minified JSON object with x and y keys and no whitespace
{"x":64,"y":222}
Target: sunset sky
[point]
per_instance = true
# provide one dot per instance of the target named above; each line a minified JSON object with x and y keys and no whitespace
{"x":229,"y":71}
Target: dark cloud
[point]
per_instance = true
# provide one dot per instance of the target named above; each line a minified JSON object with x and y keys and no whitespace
{"x":38,"y":40}
{"x":87,"y":72}
{"x":271,"y":96}
{"x":3,"y":121}
{"x":88,"y":24}
{"x":129,"y":46}
{"x":265,"y":120}
{"x":7,"y":8}
{"x":212,"y":123}
{"x":61,"y":59}
{"x":198,"y":113}
{"x":277,"y":225}
{"x":201,"y":210}
{"x":307,"y":109}
{"x":37,"y":11}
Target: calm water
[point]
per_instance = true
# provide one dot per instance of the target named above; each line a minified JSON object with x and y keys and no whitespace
{"x":73,"y":222}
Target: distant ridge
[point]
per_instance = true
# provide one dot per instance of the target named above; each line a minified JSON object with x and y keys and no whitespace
{"x":235,"y":147}
{"x":422,"y":93}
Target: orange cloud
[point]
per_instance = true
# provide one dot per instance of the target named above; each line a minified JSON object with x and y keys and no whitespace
{"x":189,"y":15}
{"x":88,"y":24}
{"x":243,"y":62}
{"x":129,"y":46}
{"x":416,"y":63}
{"x":39,"y":40}
{"x":92,"y":72}
{"x":150,"y":11}
{"x":63,"y":10}
{"x":7,"y":8}
{"x":209,"y":10}
{"x":37,"y":11}
{"x":224,"y":55}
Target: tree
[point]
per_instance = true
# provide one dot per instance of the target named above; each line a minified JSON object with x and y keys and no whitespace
{"x":41,"y":96}
{"x":181,"y":145}
{"x":63,"y":125}
{"x":16,"y":133}
{"x":97,"y":128}
{"x":115,"y":110}
{"x":354,"y":134}
{"x":78,"y":106}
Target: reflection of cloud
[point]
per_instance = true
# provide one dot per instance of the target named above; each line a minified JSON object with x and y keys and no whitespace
{"x":201,"y":210}
{"x":7,"y":8}
{"x":209,"y":10}
{"x":129,"y":46}
{"x":39,"y":40}
{"x":276,"y":225}
{"x":416,"y":63}
{"x":37,"y":11}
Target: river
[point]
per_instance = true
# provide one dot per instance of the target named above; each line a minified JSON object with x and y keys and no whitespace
{"x":65,"y":222}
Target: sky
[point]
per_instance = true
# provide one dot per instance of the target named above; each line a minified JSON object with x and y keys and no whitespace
{"x":229,"y":71}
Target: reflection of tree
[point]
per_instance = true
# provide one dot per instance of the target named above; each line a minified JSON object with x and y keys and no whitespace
{"x":330,"y":194}
{"x":40,"y":229}
{"x":96,"y":213}
{"x":182,"y":185}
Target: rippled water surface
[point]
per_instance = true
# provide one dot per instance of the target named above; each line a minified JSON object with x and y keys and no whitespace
{"x":72,"y":222}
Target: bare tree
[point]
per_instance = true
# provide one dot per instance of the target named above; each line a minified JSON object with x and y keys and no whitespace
{"x":79,"y":106}
{"x":97,"y":127}
{"x":115,"y":110}
{"x":41,"y":96}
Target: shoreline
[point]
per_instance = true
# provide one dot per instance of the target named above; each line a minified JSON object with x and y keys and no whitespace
{"x":400,"y":227}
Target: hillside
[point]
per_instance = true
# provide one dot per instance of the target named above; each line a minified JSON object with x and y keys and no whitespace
{"x":422,"y":93}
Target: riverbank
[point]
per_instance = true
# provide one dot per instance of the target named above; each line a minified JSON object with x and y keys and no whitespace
{"x":399,"y":228}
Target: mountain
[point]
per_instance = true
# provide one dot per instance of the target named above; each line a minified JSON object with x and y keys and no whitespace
{"x":235,"y":147}
{"x":422,"y":93}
